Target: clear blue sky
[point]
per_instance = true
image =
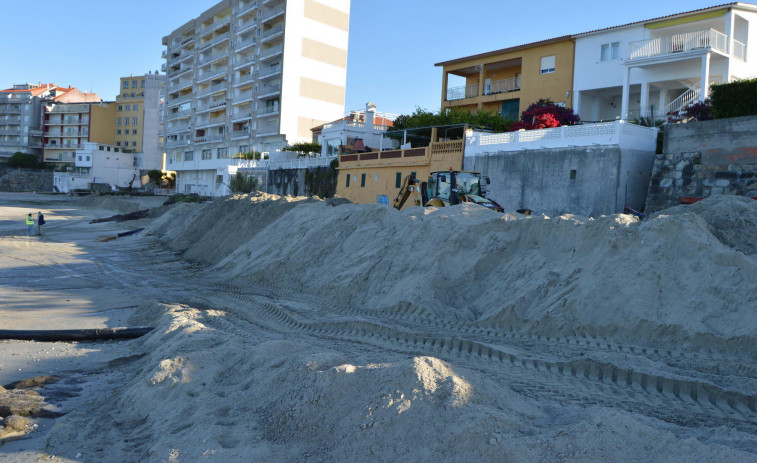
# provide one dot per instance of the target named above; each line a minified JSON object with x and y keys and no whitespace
{"x":393,"y":43}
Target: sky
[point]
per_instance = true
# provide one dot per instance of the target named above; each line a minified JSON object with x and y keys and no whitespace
{"x":393,"y":47}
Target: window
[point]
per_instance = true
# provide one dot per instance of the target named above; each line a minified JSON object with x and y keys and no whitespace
{"x":189,"y":155}
{"x":80,"y":157}
{"x":101,"y":148}
{"x":548,"y":64}
{"x":142,"y":83}
{"x":136,"y":107}
{"x":398,"y":180}
{"x":120,"y":108}
{"x":118,"y":120}
{"x":244,"y":149}
{"x":133,"y":121}
{"x":573,"y":174}
{"x":134,"y":131}
{"x":348,"y":180}
{"x":362,"y":181}
{"x":133,"y":144}
{"x":118,"y":143}
{"x":207,"y":154}
{"x":126,"y":84}
{"x":133,"y":84}
{"x":88,"y":158}
{"x":222,"y":153}
{"x":376,"y":178}
{"x":118,"y":132}
{"x":126,"y":121}
{"x":609,"y":51}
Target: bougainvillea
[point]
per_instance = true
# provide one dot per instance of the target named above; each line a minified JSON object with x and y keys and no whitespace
{"x":545,"y":114}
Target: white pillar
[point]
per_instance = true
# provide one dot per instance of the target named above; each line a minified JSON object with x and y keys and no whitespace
{"x":576,"y":102}
{"x":626,"y":94}
{"x":644,"y":101}
{"x":663,"y":101}
{"x":705,"y":77}
{"x":729,"y":32}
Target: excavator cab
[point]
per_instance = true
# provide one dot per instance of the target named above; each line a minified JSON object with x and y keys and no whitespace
{"x":447,"y":188}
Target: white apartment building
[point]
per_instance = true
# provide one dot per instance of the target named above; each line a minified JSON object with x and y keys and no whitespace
{"x":250,"y":75}
{"x":653,"y":67}
{"x":100,"y":164}
{"x":21,"y":117}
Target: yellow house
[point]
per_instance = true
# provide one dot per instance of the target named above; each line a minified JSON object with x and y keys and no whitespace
{"x":507,"y":81}
{"x":377,"y":176}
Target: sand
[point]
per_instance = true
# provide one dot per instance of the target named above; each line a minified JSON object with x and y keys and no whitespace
{"x":294,"y":329}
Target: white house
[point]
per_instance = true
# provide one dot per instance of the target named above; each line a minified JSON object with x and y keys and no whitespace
{"x":653,"y":67}
{"x":362,"y":128}
{"x":102,"y":164}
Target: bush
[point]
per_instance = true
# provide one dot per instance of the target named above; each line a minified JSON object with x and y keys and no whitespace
{"x":250,"y":156}
{"x":25,"y":161}
{"x":155,"y":176}
{"x":544,"y":114}
{"x":243,"y":184}
{"x":453,"y":116}
{"x":735,"y":99}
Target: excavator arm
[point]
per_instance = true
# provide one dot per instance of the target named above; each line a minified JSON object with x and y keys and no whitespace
{"x":411,"y":186}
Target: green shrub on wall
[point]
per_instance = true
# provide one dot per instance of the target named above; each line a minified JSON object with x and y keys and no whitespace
{"x":735,"y":99}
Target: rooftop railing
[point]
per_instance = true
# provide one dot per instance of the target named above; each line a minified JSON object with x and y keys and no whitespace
{"x":679,"y":43}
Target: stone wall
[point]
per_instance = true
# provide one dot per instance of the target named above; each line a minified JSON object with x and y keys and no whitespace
{"x":705,"y":158}
{"x":26,"y":180}
{"x":589,"y":181}
{"x":300,"y":182}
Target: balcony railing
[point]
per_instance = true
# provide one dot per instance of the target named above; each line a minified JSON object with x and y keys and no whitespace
{"x":679,"y":43}
{"x":739,"y":50}
{"x":242,"y":114}
{"x":246,"y":8}
{"x":354,"y":125}
{"x":278,"y":29}
{"x":246,"y":25}
{"x":270,"y":71}
{"x":268,"y":110}
{"x":465,"y":91}
{"x":180,"y":100}
{"x":265,"y":54}
{"x":274,"y":12}
{"x":242,"y":44}
{"x":211,"y":138}
{"x":269,"y":89}
{"x":502,"y":86}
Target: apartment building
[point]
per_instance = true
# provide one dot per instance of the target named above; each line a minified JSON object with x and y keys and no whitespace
{"x":21,"y":116}
{"x":137,"y":123}
{"x":68,"y":126}
{"x":250,"y":75}
{"x":653,"y":67}
{"x":507,"y":81}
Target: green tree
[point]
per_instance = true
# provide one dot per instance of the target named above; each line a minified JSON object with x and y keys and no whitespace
{"x":451,"y":116}
{"x":243,"y":184}
{"x":155,"y":176}
{"x":25,"y":161}
{"x":304,"y":150}
{"x":250,"y":156}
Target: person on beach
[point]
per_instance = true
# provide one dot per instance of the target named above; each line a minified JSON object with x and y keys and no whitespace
{"x":29,"y":225}
{"x":40,"y":222}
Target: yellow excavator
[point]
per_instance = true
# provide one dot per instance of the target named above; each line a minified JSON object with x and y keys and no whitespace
{"x":446,"y":188}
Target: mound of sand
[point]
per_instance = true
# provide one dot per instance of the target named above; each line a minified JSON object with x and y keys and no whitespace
{"x":121,"y":204}
{"x":200,"y":396}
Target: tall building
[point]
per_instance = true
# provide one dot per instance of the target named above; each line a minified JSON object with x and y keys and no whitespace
{"x":21,"y":116}
{"x":251,"y":75}
{"x":68,"y":126}
{"x":137,"y":122}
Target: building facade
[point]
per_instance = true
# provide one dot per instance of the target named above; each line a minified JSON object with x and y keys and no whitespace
{"x":653,"y":67}
{"x":250,"y":75}
{"x":21,"y":117}
{"x":507,"y":81}
{"x":68,"y":126}
{"x":95,"y":163}
{"x":138,"y":115}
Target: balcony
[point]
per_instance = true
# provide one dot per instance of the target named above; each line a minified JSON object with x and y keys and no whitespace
{"x":213,"y":138}
{"x":462,"y":92}
{"x":179,"y":100}
{"x":10,"y":132}
{"x":212,"y":74}
{"x":269,"y":90}
{"x":242,"y":114}
{"x":244,"y":133}
{"x":270,"y":128}
{"x":241,"y":96}
{"x":55,"y":146}
{"x":243,"y":44}
{"x":210,"y":121}
{"x":268,"y":111}
{"x":271,"y":52}
{"x":679,"y":43}
{"x":248,"y":7}
{"x":244,"y":61}
{"x":178,"y":127}
{"x":270,"y":71}
{"x":244,"y":79}
{"x":179,"y":114}
{"x":246,"y":25}
{"x":177,"y":143}
{"x":274,"y":13}
{"x":212,"y":105}
{"x":216,"y":24}
{"x":11,"y":109}
{"x":212,"y":57}
{"x":272,"y":33}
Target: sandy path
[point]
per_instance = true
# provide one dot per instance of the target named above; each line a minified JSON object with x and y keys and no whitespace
{"x":239,"y":370}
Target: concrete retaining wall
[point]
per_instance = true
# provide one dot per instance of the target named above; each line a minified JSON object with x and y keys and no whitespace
{"x":705,"y":158}
{"x":588,"y":181}
{"x":26,"y":180}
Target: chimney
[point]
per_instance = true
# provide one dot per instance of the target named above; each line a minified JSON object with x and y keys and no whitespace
{"x":370,"y":113}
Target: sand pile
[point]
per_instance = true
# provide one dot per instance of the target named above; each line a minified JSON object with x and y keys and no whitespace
{"x":121,"y":204}
{"x":209,"y":232}
{"x":203,"y":395}
{"x":684,"y":271}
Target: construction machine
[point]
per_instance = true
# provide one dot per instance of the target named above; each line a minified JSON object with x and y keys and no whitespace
{"x":446,"y":188}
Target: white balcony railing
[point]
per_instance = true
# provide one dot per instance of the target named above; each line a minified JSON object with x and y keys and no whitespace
{"x":273,"y":13}
{"x":460,"y":93}
{"x":502,"y":86}
{"x":739,"y":50}
{"x":267,"y":53}
{"x":278,"y":29}
{"x":353,"y":125}
{"x":678,"y":43}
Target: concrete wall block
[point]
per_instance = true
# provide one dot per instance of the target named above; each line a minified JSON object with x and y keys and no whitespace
{"x":717,"y":191}
{"x":722,"y":183}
